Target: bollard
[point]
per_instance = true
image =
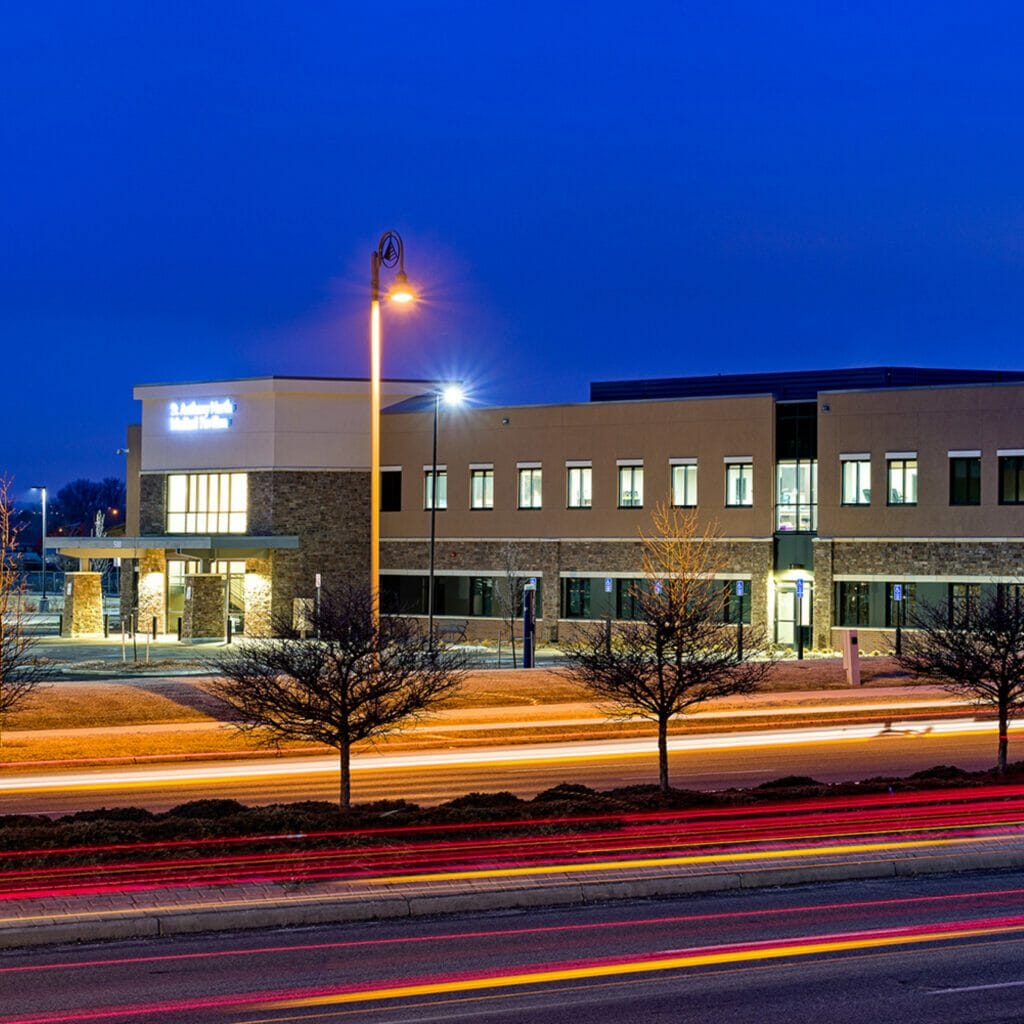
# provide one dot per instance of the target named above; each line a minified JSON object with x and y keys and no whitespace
{"x":106,"y":625}
{"x":60,"y":624}
{"x":179,"y":629}
{"x":228,"y":630}
{"x":154,"y":627}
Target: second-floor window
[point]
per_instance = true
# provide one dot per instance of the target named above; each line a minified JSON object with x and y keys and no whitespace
{"x":579,"y":484}
{"x":902,"y":479}
{"x":481,"y":488}
{"x":1011,"y":480}
{"x":739,"y":484}
{"x":529,"y":487}
{"x":856,"y":485}
{"x":796,"y":496}
{"x":965,"y":480}
{"x":631,"y":486}
{"x":442,"y":488}
{"x":207,"y":502}
{"x":684,"y":483}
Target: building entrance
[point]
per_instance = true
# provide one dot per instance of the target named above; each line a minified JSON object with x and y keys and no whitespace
{"x":789,"y":609}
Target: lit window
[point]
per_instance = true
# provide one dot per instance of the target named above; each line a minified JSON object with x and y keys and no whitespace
{"x":796,"y":496}
{"x":529,"y":487}
{"x":442,"y":488}
{"x":631,"y":486}
{"x":684,"y":484}
{"x":207,"y":502}
{"x":903,"y":480}
{"x":739,"y":484}
{"x":580,"y":486}
{"x":856,"y":481}
{"x":481,"y":488}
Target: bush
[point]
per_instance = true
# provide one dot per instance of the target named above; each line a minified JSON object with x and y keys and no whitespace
{"x":209,"y":809}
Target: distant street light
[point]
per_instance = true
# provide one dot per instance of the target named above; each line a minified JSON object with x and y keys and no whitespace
{"x":389,"y":253}
{"x":453,"y":397}
{"x":44,"y":605}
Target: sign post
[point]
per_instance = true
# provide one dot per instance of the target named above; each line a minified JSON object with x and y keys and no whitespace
{"x":739,"y":631}
{"x":800,"y":620}
{"x":897,"y":601}
{"x":316,"y":610}
{"x":529,"y":622}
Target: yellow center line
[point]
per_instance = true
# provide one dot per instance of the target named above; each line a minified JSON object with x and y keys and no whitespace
{"x":633,"y":967}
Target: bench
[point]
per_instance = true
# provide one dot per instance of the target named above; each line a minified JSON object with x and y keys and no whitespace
{"x":453,"y":631}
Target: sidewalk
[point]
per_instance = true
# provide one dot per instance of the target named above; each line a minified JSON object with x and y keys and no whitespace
{"x":175,"y":911}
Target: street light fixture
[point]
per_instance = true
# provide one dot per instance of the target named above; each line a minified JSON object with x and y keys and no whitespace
{"x":389,"y":253}
{"x":453,"y":396}
{"x":44,"y":605}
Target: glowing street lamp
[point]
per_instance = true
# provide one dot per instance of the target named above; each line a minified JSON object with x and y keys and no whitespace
{"x":452,"y":396}
{"x":44,"y":605}
{"x":389,"y":253}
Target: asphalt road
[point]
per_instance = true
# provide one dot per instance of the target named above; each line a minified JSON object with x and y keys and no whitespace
{"x":936,"y":950}
{"x":429,"y":777}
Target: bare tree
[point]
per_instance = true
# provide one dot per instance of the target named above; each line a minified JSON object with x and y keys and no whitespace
{"x":678,"y":652}
{"x":348,"y":682}
{"x":510,"y":590}
{"x":20,"y":671}
{"x":976,"y":651}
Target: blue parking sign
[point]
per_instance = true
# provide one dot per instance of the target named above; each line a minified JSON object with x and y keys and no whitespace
{"x":800,"y":588}
{"x":897,"y":592}
{"x":607,"y":584}
{"x":739,"y":588}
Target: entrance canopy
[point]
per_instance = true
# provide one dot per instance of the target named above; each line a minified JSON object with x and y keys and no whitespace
{"x":194,"y":545}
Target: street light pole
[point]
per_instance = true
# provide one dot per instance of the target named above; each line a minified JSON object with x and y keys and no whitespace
{"x":389,"y":253}
{"x":452,"y":396}
{"x":44,"y":605}
{"x":433,"y":529}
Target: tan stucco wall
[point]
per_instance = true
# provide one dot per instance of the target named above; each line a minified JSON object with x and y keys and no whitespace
{"x":603,"y":432}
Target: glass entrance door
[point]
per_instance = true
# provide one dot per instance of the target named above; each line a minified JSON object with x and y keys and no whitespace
{"x":786,"y":613}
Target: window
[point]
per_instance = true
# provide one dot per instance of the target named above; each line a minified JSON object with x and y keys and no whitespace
{"x":796,"y":496}
{"x":580,"y":486}
{"x":529,"y":487}
{"x":391,"y":490}
{"x":739,"y":484}
{"x":207,"y":502}
{"x":1010,"y":599}
{"x":732,"y":603}
{"x":907,"y":606}
{"x":684,"y":483}
{"x":853,"y":607}
{"x":629,"y":599}
{"x":481,"y":488}
{"x":576,"y":598}
{"x":902,"y":479}
{"x":1011,"y":480}
{"x":856,"y":489}
{"x":965,"y":480}
{"x":481,"y":595}
{"x":442,"y":488}
{"x":631,"y":486}
{"x":963,"y":602}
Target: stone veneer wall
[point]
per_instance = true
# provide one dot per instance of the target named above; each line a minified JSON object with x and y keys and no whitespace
{"x":822,"y":613}
{"x":330,"y":512}
{"x":204,"y":610}
{"x":258,"y":592}
{"x":895,"y":558}
{"x":152,"y":591}
{"x":552,"y":558}
{"x":152,"y":495}
{"x":83,"y":605}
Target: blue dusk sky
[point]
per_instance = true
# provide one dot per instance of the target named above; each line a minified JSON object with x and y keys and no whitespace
{"x":586,"y":191}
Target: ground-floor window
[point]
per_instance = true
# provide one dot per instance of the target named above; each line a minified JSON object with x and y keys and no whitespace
{"x":853,"y":604}
{"x":736,"y":607}
{"x":962,"y":602}
{"x":463,"y":597}
{"x":576,"y":597}
{"x":906,"y":606}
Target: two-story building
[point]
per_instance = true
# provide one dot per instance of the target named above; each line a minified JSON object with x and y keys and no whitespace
{"x":826,"y":490}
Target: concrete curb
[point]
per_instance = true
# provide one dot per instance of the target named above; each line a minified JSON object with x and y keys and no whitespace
{"x":143,"y":923}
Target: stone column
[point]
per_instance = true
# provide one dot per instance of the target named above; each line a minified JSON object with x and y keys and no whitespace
{"x":83,"y":604}
{"x":258,"y":594}
{"x":823,"y":554}
{"x":204,"y":607}
{"x":761,"y":564}
{"x":152,"y":591}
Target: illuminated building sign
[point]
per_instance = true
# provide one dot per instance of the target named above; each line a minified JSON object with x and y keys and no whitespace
{"x":209,"y":414}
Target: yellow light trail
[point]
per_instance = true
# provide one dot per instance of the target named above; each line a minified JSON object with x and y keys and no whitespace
{"x":804,"y":948}
{"x":664,"y":862}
